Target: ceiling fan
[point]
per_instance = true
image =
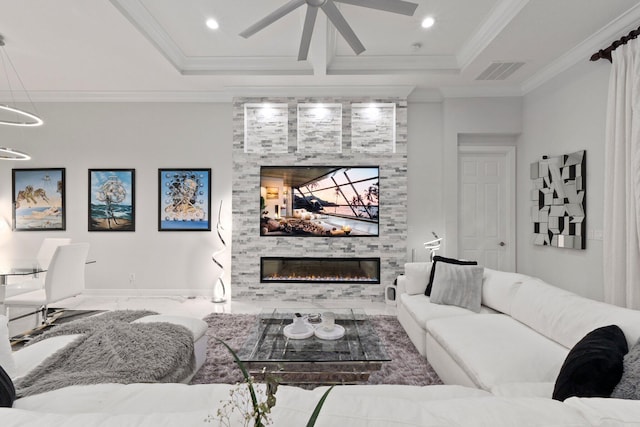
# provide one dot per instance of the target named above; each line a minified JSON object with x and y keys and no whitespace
{"x":337,"y":19}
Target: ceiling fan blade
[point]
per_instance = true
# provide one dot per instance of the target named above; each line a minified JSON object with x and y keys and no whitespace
{"x":272,"y":17}
{"x":342,"y":26}
{"x":393,"y":6}
{"x":309,"y":22}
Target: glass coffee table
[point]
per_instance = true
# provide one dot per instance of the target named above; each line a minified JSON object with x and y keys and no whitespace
{"x":346,"y":360}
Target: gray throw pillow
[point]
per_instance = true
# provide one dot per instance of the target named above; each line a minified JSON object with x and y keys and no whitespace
{"x":629,"y":385}
{"x":459,"y":285}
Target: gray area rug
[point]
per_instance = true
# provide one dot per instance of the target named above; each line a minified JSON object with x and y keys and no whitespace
{"x":407,"y":365}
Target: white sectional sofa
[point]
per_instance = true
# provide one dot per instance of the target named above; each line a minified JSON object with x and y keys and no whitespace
{"x":517,"y":343}
{"x":156,"y":405}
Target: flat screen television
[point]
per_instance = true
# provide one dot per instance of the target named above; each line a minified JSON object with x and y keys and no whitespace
{"x":319,"y":201}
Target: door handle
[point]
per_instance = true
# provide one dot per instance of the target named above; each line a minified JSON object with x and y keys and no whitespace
{"x":502,"y":243}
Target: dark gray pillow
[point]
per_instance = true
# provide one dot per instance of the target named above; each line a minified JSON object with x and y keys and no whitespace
{"x":7,"y":390}
{"x":459,"y":285}
{"x":629,"y":385}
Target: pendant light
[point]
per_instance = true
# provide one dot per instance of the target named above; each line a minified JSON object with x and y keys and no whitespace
{"x":22,"y":118}
{"x":7,"y":153}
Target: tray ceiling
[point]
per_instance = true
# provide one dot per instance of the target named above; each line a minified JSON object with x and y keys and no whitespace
{"x":161,"y":49}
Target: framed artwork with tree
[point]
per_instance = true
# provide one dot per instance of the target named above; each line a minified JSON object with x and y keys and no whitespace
{"x":112,"y":200}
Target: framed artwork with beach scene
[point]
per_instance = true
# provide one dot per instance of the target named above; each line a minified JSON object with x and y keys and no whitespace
{"x":112,"y":200}
{"x":38,"y":199}
{"x":184,"y":199}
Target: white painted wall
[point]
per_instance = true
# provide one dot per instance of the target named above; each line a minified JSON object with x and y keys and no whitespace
{"x":424,"y":163}
{"x":482,"y":118}
{"x":566,"y":114}
{"x":144,"y":136}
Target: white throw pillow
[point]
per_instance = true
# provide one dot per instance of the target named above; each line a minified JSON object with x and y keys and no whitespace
{"x":6,"y":358}
{"x":459,"y":285}
{"x":417,"y":274}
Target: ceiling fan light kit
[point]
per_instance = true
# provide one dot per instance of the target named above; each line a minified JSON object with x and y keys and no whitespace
{"x":334,"y":15}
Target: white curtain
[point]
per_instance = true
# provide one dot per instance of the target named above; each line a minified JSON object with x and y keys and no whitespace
{"x":622,"y":180}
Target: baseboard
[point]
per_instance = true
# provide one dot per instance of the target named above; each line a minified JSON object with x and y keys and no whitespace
{"x":148,"y":292}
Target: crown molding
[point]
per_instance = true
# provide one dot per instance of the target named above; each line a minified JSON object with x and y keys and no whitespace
{"x":140,"y":17}
{"x":501,"y":15}
{"x":225,"y":95}
{"x":583,"y":51}
{"x":425,"y":95}
{"x":367,"y":65}
{"x":373,"y":91}
{"x":481,"y":91}
{"x":121,"y":96}
{"x":277,"y":66}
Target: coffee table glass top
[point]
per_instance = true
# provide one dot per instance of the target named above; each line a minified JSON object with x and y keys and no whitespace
{"x":267,"y":342}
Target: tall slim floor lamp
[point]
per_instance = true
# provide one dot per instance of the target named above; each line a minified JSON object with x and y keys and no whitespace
{"x":219,"y":289}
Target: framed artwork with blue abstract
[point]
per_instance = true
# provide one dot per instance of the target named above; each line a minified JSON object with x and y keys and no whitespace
{"x":38,"y":199}
{"x":184,"y":197}
{"x":112,"y":200}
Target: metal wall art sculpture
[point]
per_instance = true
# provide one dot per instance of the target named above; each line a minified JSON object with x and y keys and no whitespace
{"x":559,"y":203}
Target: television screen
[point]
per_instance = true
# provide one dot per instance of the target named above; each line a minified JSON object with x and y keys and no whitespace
{"x":322,"y":201}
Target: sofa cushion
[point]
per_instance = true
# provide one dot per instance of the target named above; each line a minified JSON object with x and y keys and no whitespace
{"x":422,"y":309}
{"x":566,"y":317}
{"x":6,"y":356}
{"x":459,"y":285}
{"x":629,"y":385}
{"x":495,"y":349}
{"x":440,"y":259}
{"x":534,"y":389}
{"x":7,"y":390}
{"x":499,"y":288}
{"x":593,"y":367}
{"x":417,"y":274}
{"x":605,"y":412}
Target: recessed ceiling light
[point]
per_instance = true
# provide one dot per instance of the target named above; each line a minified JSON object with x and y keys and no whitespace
{"x":213,"y":24}
{"x":428,"y":22}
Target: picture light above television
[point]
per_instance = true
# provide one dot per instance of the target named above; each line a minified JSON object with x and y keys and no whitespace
{"x":319,"y":201}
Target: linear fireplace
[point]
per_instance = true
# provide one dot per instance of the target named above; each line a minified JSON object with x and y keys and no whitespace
{"x":306,"y":269}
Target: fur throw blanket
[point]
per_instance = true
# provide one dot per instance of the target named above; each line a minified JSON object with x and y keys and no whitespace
{"x":112,"y":350}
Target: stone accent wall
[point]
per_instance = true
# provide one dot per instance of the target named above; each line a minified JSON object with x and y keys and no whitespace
{"x":247,"y":244}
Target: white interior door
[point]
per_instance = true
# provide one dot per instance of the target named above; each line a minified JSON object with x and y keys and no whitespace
{"x":486,"y":221}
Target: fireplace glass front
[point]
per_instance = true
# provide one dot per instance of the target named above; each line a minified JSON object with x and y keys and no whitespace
{"x":334,"y":270}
